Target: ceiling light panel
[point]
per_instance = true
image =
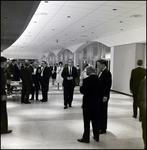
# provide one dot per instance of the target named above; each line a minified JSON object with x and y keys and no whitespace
{"x":123,"y":4}
{"x":80,"y":5}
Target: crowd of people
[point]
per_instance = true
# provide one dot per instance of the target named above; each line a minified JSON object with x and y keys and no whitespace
{"x":94,"y":81}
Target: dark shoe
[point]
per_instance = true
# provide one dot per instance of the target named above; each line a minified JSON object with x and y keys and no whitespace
{"x":70,"y":106}
{"x":37,"y":99}
{"x":65,"y":107}
{"x":102,"y":131}
{"x":134,"y":116}
{"x":81,"y":140}
{"x":5,"y":132}
{"x":97,"y":140}
{"x":27,"y":102}
{"x":22,"y":102}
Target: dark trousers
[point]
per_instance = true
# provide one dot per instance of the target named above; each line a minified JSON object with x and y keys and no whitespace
{"x":144,"y":129}
{"x":26,"y":89}
{"x":4,"y":119}
{"x":68,"y":95}
{"x":45,"y":88}
{"x":91,"y":114}
{"x":35,"y":89}
{"x":135,"y":107}
{"x":103,"y":115}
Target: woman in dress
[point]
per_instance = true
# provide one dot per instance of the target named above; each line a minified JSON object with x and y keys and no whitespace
{"x":59,"y":78}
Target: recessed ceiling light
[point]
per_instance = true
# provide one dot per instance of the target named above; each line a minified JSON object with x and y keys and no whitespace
{"x":92,"y":32}
{"x":68,"y":16}
{"x":121,"y":29}
{"x":35,"y":22}
{"x":121,"y":21}
{"x":65,"y":34}
{"x":114,"y":9}
{"x":136,"y":16}
{"x":53,"y":29}
{"x":46,"y":1}
{"x":82,"y":26}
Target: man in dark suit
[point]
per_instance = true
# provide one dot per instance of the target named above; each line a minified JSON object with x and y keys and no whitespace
{"x":106,"y":77}
{"x":4,"y":118}
{"x":137,"y":75}
{"x":36,"y":76}
{"x":142,"y":105}
{"x":44,"y":80}
{"x":69,"y":75}
{"x":92,"y":89}
{"x":27,"y":83}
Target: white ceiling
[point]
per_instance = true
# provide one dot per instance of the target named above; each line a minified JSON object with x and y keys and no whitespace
{"x":50,"y":29}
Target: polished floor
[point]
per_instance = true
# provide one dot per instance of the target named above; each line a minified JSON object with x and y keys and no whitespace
{"x":48,"y":126}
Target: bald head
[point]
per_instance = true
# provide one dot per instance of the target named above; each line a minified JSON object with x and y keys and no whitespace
{"x":90,"y":70}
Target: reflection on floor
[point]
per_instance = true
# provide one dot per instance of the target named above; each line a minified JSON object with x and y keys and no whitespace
{"x":48,"y":126}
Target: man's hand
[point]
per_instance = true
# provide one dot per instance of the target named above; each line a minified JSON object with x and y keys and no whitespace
{"x":69,"y":78}
{"x":105,"y":99}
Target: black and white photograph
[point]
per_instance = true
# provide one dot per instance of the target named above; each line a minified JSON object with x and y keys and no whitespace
{"x":73,"y":74}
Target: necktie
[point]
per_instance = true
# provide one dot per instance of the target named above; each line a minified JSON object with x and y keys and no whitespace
{"x":70,"y":71}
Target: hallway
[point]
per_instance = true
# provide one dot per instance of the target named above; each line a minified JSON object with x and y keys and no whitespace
{"x":48,"y":126}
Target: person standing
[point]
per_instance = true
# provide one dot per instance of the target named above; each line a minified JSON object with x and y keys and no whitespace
{"x":92,"y":90}
{"x":36,"y":76}
{"x":27,"y":83}
{"x":137,"y":75}
{"x":59,"y":79}
{"x":69,"y":75}
{"x":54,"y":73}
{"x":78,"y":77}
{"x":4,"y":117}
{"x":44,"y":80}
{"x":106,"y":77}
{"x":142,"y":105}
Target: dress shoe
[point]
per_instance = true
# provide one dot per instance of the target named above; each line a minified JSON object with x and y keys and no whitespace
{"x":27,"y":102}
{"x":5,"y":132}
{"x":134,"y":116}
{"x":81,"y":140}
{"x":32,"y":99}
{"x":70,"y":106}
{"x":65,"y":107}
{"x":102,"y":131}
{"x":97,"y":140}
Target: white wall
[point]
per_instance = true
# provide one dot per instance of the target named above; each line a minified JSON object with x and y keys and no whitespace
{"x":124,"y":60}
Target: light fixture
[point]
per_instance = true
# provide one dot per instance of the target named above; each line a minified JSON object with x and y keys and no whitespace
{"x":68,"y":16}
{"x":114,"y":9}
{"x":136,"y":16}
{"x":82,"y":26}
{"x":121,"y":21}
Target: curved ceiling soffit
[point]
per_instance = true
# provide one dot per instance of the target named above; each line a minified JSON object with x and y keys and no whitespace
{"x":79,"y":49}
{"x":15,"y":19}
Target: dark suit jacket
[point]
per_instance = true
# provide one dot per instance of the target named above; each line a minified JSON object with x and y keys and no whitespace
{"x":46,"y":75}
{"x":142,"y":97}
{"x":137,"y":75}
{"x":26,"y":76}
{"x":36,"y":77}
{"x":107,"y":82}
{"x":2,"y":92}
{"x":65,"y":74}
{"x":92,"y":89}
